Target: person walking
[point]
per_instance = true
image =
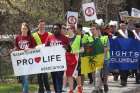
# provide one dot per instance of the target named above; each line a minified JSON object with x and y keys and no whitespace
{"x":24,"y":41}
{"x":40,"y":36}
{"x":57,"y":39}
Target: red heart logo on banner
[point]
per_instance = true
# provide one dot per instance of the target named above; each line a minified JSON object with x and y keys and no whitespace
{"x":37,"y":59}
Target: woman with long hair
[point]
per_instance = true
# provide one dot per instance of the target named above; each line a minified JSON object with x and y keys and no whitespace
{"x":24,"y":41}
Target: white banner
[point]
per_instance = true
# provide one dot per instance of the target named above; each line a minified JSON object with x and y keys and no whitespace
{"x":72,"y":18}
{"x":123,"y":14}
{"x":89,"y":11}
{"x":40,"y":60}
{"x":135,"y":12}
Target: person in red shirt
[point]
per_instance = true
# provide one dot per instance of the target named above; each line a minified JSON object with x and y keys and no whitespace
{"x":57,"y":39}
{"x":24,"y":41}
{"x":40,"y":37}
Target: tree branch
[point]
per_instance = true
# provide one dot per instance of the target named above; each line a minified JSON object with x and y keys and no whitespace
{"x":14,"y":7}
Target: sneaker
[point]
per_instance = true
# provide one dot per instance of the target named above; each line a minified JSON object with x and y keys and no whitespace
{"x":79,"y":89}
{"x":64,"y":89}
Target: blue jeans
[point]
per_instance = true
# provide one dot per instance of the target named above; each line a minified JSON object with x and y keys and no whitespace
{"x":57,"y":78}
{"x":25,"y":84}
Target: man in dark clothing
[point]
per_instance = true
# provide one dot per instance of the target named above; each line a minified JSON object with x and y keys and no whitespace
{"x":136,"y":33}
{"x":124,"y":33}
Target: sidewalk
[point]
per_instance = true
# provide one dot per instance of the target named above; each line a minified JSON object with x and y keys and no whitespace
{"x":114,"y":87}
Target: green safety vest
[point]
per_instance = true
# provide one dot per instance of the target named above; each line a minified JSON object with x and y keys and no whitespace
{"x":87,"y":39}
{"x":76,"y":44}
{"x":37,"y":38}
{"x":105,"y":41}
{"x":102,"y":42}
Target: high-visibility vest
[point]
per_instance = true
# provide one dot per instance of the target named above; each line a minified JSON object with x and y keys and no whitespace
{"x":105,"y":41}
{"x":37,"y":38}
{"x":76,"y":44}
{"x":87,"y":39}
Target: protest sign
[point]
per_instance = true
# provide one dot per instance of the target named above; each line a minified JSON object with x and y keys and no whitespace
{"x":135,"y":12}
{"x":40,"y":60}
{"x":125,"y":54}
{"x":89,"y":11}
{"x":123,"y":14}
{"x":72,"y":18}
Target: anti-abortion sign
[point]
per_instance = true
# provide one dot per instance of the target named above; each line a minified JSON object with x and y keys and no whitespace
{"x":123,"y":14}
{"x":40,"y":60}
{"x":72,"y":18}
{"x":135,"y":12}
{"x":125,"y":54}
{"x":89,"y":11}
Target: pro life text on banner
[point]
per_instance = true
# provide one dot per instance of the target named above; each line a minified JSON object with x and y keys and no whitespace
{"x":41,"y":60}
{"x":123,"y":14}
{"x":72,"y":18}
{"x":135,"y":12}
{"x":125,"y":54}
{"x":89,"y":11}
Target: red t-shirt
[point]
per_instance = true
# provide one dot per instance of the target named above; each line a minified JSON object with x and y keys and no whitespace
{"x":43,"y":37}
{"x":24,"y":42}
{"x":53,"y":40}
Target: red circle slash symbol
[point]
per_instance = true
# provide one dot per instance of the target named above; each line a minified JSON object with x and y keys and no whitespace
{"x":89,"y":11}
{"x":72,"y":20}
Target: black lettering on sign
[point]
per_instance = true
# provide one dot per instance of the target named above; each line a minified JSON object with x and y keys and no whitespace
{"x":24,"y":61}
{"x":30,"y":60}
{"x":52,"y":57}
{"x":54,"y":67}
{"x":18,"y":62}
{"x":46,"y":59}
{"x":58,"y":57}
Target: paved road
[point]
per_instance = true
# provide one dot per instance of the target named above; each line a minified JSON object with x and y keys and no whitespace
{"x":114,"y":87}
